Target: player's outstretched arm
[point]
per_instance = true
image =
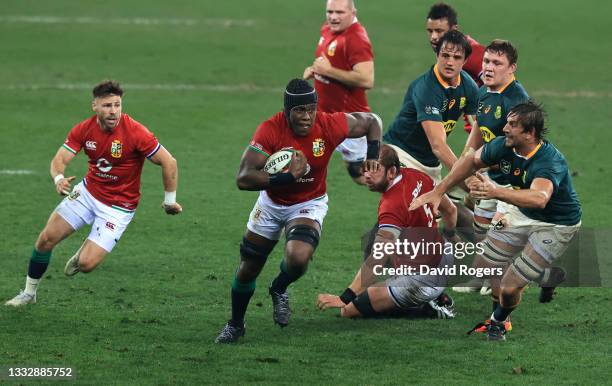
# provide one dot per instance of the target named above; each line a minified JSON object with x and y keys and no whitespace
{"x":464,"y":167}
{"x":170,"y":178}
{"x":252,"y":177}
{"x":58,"y":165}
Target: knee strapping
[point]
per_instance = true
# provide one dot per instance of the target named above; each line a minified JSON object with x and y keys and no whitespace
{"x":495,"y":255}
{"x":250,"y":250}
{"x":304,"y":233}
{"x":528,"y":269}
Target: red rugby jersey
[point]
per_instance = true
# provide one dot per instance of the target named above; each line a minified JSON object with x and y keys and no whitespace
{"x":115,"y":159}
{"x":344,"y":50}
{"x":328,"y":131}
{"x":416,"y":226}
{"x":473,"y":66}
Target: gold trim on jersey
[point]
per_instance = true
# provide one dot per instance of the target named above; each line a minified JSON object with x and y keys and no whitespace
{"x":442,"y":82}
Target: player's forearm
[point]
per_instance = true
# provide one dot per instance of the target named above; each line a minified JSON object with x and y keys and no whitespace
{"x":444,"y":153}
{"x":351,"y":78}
{"x":253,"y":180}
{"x":463,"y":168}
{"x":356,"y":285}
{"x":474,"y":141}
{"x":524,"y":198}
{"x":57,"y":167}
{"x":170,"y":174}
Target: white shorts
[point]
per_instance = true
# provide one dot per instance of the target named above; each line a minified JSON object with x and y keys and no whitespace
{"x":406,"y":160}
{"x":268,"y":218}
{"x":410,"y":290}
{"x":353,"y":149}
{"x":549,"y":240}
{"x":80,"y":208}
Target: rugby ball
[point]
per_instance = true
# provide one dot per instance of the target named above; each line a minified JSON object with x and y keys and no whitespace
{"x":278,"y":162}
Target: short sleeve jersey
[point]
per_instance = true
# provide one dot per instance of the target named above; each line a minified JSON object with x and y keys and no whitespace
{"x":430,"y":98}
{"x":493,"y":108}
{"x":344,"y":50}
{"x":328,"y":131}
{"x":473,"y":65}
{"x":547,"y":162}
{"x":415,"y":225}
{"x":116,"y":158}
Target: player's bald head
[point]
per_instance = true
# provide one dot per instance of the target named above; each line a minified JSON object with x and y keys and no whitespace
{"x":346,"y":4}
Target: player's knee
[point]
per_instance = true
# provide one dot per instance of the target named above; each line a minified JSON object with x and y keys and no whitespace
{"x":86,"y":265}
{"x":298,"y":257}
{"x":305,"y":233}
{"x":45,"y":241}
{"x":252,"y":252}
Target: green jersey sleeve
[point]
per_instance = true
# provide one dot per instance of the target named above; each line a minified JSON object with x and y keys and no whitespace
{"x":493,"y":151}
{"x":428,"y":104}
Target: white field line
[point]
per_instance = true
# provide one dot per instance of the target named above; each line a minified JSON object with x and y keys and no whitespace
{"x":127,"y":21}
{"x":245,"y":87}
{"x":18,"y":172}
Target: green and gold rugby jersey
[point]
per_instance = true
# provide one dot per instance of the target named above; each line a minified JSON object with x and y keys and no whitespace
{"x":545,"y":161}
{"x":493,"y":108}
{"x":429,"y":98}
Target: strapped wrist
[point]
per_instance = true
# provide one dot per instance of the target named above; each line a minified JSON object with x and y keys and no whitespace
{"x":347,"y":296}
{"x":58,"y":178}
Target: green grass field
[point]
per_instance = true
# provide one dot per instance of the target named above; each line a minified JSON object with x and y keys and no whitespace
{"x":202,"y":76}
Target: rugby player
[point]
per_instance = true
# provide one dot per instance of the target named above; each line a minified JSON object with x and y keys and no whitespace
{"x":443,"y":18}
{"x":343,"y":70}
{"x":542,"y":219}
{"x":414,"y":295}
{"x":107,"y":197}
{"x":501,"y":92}
{"x":296,"y":200}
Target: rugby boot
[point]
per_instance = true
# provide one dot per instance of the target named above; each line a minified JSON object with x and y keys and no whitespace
{"x":230,"y":333}
{"x":21,"y":300}
{"x":281,"y":311}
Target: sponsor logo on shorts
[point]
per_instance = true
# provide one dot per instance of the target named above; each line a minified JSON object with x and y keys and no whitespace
{"x":547,"y":241}
{"x":318,"y":147}
{"x":90,"y":145}
{"x":110,"y":225}
{"x":74,"y":195}
{"x":304,"y":211}
{"x":116,"y":149}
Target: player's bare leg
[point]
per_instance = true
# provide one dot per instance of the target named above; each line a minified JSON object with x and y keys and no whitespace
{"x":254,"y":251}
{"x":56,"y":230}
{"x":86,"y":259}
{"x":302,"y":236}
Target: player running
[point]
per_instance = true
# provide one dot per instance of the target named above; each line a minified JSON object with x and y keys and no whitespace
{"x":107,"y":198}
{"x":542,"y":220}
{"x":294,"y":201}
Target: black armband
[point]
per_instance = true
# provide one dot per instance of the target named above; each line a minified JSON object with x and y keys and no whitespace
{"x":347,"y":296}
{"x":281,"y":179}
{"x":373,"y":149}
